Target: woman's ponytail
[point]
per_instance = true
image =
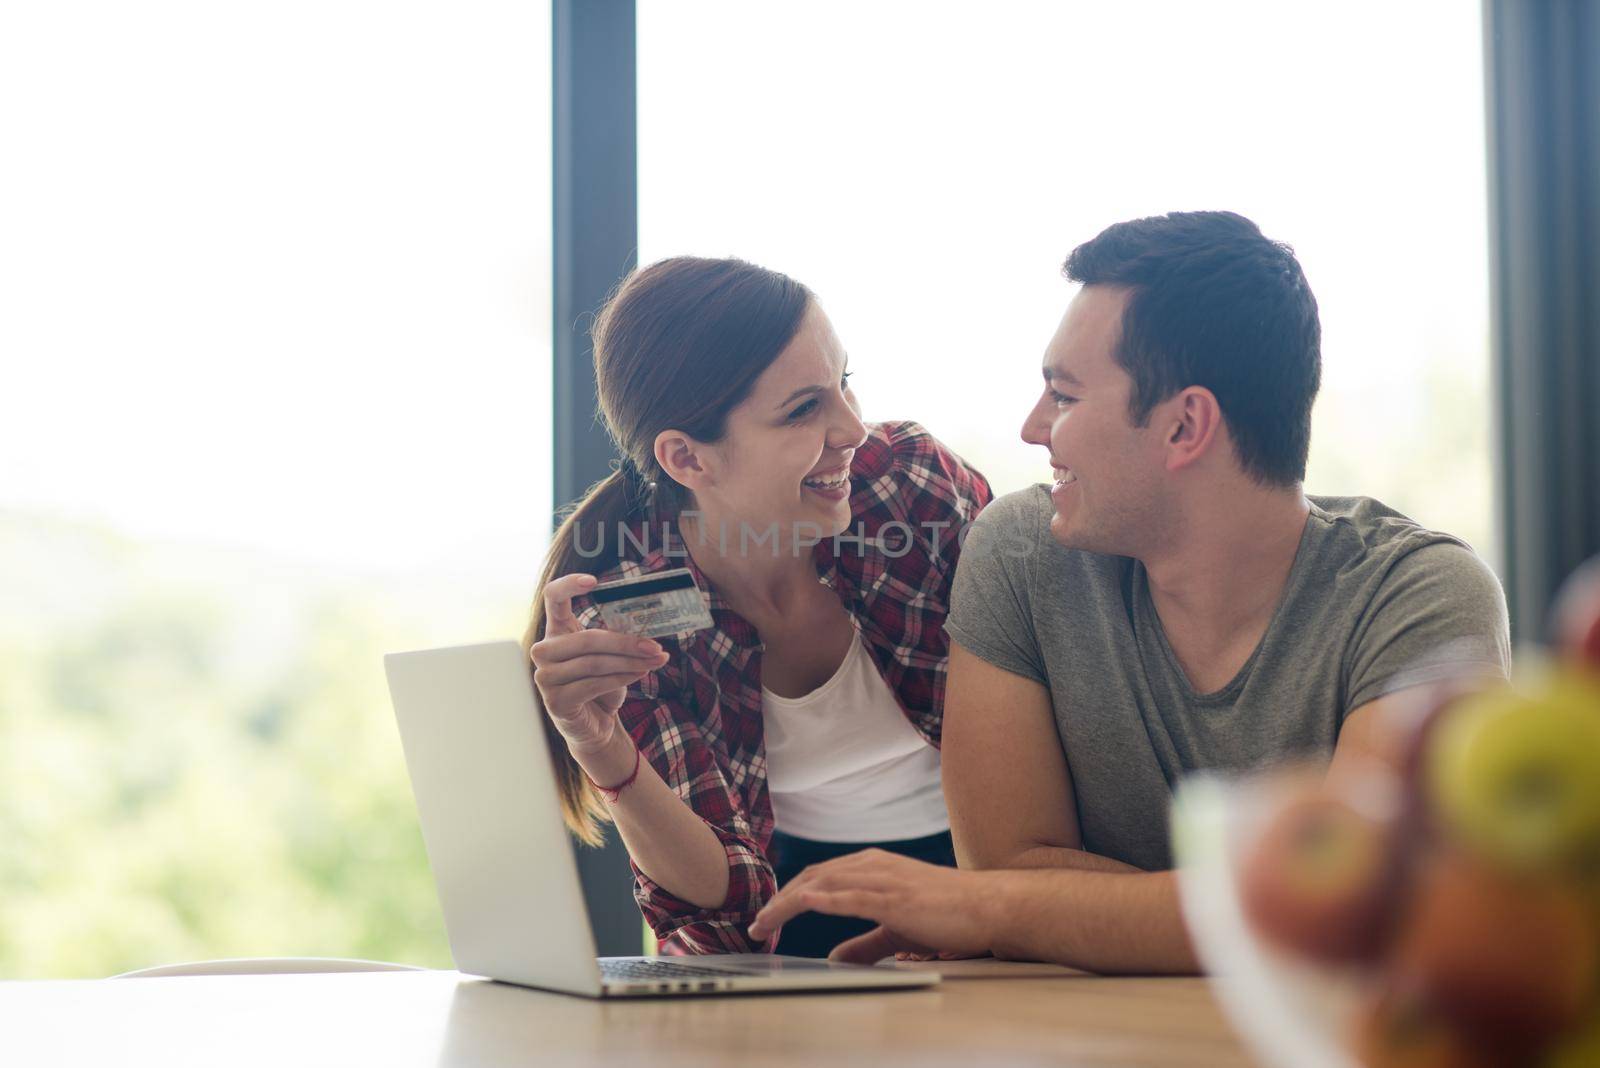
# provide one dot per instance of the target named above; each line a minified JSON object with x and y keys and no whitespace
{"x":595,"y":520}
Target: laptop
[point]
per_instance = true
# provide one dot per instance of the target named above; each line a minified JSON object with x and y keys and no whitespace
{"x":507,"y":878}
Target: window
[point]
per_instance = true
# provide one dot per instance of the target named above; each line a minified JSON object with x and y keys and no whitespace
{"x":277,"y":401}
{"x":926,"y":168}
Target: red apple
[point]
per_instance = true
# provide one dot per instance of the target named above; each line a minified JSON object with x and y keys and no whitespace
{"x":1506,"y":955}
{"x":1412,"y":723}
{"x":1321,"y":879}
{"x":1576,"y":616}
{"x":1417,"y":711}
{"x":1401,"y":1029}
{"x":1580,"y":1049}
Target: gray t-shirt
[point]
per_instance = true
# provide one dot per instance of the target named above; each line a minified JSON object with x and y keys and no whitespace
{"x":1373,"y":603}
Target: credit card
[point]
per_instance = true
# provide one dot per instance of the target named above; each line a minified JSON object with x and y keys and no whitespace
{"x":652,"y":606}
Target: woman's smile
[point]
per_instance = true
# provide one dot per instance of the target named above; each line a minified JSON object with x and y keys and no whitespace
{"x":833,"y":485}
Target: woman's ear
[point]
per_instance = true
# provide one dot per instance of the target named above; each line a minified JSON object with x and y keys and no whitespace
{"x":680,"y":456}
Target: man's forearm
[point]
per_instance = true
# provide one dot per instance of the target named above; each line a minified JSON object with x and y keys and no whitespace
{"x":1113,"y":922}
{"x":1045,"y":856}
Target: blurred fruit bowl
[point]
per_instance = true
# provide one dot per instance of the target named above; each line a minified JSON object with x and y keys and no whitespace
{"x":1291,"y":1012}
{"x":1437,"y":905}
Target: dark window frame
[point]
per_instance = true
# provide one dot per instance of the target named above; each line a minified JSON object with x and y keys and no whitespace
{"x":1542,"y":89}
{"x":594,"y":193}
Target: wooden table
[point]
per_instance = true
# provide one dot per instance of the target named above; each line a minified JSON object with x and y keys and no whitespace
{"x":996,"y":1015}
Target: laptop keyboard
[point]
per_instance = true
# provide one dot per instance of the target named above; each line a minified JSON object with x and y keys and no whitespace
{"x":655,"y":968}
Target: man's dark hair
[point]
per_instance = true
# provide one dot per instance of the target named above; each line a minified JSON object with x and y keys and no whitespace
{"x":1214,"y":303}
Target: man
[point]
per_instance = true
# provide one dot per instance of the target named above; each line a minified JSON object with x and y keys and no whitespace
{"x":1172,"y":603}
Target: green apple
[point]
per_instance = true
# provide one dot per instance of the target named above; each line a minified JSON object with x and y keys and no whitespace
{"x":1516,"y":774}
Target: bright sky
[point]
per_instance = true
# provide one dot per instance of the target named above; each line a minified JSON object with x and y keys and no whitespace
{"x":277,"y":274}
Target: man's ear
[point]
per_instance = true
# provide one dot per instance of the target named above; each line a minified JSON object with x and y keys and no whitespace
{"x":1193,"y":426}
{"x":681,"y":457}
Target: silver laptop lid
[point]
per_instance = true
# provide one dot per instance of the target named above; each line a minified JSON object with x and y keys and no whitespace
{"x":491,"y":816}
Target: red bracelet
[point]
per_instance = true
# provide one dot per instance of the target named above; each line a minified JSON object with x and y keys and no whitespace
{"x":611,"y":793}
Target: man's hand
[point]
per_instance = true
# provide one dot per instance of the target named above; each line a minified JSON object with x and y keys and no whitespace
{"x":920,"y":908}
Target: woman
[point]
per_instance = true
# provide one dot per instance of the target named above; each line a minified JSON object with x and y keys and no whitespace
{"x":814,"y":701}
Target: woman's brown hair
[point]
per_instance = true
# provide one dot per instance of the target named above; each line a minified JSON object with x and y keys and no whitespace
{"x":677,"y":347}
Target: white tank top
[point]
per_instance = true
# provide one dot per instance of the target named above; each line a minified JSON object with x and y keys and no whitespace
{"x":844,"y":765}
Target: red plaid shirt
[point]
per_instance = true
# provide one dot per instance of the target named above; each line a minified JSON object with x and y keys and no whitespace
{"x":698,"y":719}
